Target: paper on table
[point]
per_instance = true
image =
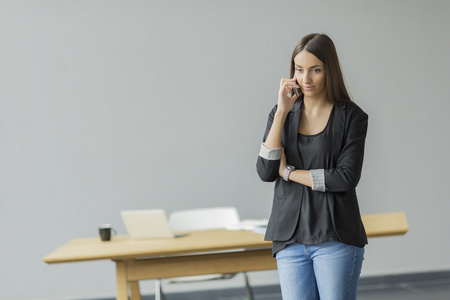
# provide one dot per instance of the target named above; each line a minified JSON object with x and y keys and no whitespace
{"x":249,"y":224}
{"x":260,"y":229}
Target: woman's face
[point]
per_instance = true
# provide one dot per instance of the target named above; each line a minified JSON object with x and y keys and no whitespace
{"x":310,"y":74}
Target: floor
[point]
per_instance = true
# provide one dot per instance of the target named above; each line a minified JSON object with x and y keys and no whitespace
{"x":422,"y":286}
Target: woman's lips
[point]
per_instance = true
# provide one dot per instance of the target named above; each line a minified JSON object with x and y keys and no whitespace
{"x":307,"y":88}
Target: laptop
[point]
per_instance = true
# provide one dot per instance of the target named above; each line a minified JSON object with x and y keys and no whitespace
{"x":146,"y":224}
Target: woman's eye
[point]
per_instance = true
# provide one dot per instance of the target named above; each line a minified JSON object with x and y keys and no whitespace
{"x":316,"y":70}
{"x":298,"y":70}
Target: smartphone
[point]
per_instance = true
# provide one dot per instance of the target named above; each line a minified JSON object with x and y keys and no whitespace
{"x":295,"y":90}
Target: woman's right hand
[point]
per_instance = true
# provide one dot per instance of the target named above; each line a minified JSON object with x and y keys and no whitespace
{"x":285,"y":105}
{"x":285,"y":99}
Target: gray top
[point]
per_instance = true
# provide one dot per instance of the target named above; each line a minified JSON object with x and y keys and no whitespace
{"x":315,"y":224}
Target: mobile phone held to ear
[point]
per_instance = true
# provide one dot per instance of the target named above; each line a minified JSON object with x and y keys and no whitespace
{"x":294,"y":91}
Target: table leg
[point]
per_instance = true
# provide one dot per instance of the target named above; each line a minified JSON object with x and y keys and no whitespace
{"x":134,"y":289}
{"x":121,"y":280}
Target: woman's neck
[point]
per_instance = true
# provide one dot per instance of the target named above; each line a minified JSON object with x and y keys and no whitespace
{"x":311,"y":104}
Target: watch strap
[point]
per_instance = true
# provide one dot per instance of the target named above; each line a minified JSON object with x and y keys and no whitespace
{"x":288,"y":171}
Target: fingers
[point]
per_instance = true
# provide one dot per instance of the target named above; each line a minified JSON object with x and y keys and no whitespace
{"x":286,"y":85}
{"x":286,"y":96}
{"x":290,"y":82}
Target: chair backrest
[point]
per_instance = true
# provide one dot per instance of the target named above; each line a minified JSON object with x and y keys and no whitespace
{"x":204,"y":218}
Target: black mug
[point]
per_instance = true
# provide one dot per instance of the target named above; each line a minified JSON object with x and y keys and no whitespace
{"x":106,"y":232}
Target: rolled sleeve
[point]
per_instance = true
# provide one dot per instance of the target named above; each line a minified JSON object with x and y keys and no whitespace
{"x":318,"y":180}
{"x":270,"y":154}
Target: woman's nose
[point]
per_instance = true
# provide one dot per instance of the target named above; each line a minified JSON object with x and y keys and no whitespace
{"x":306,"y":77}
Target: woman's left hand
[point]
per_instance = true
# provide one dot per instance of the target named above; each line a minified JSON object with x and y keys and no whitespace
{"x":283,"y":163}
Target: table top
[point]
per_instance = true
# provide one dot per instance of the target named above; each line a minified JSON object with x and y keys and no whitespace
{"x":122,"y":247}
{"x":386,"y":224}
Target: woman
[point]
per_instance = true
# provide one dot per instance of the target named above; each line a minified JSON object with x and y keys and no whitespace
{"x":313,"y":149}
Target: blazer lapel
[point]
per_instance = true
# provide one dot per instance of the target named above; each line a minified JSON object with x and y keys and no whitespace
{"x":292,"y":153}
{"x":340,"y":115}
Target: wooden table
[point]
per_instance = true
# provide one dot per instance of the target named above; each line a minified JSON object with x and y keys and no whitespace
{"x":197,"y":253}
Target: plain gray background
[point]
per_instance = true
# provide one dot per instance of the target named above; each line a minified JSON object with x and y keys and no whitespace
{"x":111,"y":105}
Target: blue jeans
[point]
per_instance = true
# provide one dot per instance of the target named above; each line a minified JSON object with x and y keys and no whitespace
{"x":326,"y":271}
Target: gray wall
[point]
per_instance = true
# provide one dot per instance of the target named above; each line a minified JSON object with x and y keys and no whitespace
{"x":111,"y":105}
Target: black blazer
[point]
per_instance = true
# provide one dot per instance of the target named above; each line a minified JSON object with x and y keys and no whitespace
{"x":341,"y":176}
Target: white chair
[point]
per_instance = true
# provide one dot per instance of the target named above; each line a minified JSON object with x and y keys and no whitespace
{"x":203,"y":219}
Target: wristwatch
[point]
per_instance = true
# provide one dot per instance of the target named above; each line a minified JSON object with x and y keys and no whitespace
{"x":287,"y":171}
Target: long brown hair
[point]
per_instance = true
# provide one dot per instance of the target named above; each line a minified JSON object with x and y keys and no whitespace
{"x":321,"y":46}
